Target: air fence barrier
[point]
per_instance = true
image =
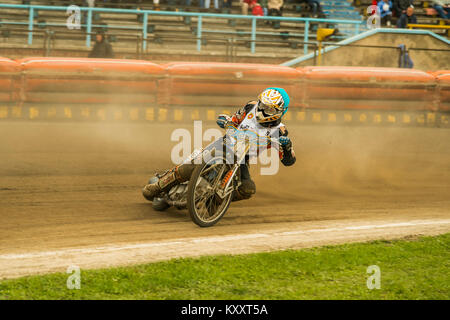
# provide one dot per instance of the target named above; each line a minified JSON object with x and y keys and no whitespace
{"x":443,"y":89}
{"x":74,"y":89}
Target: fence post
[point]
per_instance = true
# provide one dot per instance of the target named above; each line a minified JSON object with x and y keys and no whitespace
{"x":30,"y":25}
{"x":315,"y":55}
{"x":199,"y":33}
{"x":47,"y":43}
{"x":89,"y":28}
{"x":356,"y":28}
{"x":227,"y":49}
{"x":144,"y":31}
{"x":253,"y":35}
{"x":305,"y":46}
{"x":233,"y":50}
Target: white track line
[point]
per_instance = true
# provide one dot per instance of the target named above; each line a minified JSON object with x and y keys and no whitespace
{"x":218,"y":239}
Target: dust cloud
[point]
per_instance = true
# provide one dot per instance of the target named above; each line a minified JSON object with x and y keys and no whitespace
{"x":337,"y":159}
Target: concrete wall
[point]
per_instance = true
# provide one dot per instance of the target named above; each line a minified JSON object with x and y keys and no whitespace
{"x":385,"y":57}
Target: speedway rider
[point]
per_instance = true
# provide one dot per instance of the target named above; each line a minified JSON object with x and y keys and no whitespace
{"x":264,"y":114}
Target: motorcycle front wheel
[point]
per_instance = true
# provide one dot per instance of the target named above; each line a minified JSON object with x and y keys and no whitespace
{"x":205,"y":207}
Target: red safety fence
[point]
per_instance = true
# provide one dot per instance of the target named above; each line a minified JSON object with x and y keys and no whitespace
{"x":225,"y":84}
{"x":9,"y":85}
{"x":82,"y":80}
{"x":443,"y":89}
{"x":210,"y":84}
{"x":369,"y":88}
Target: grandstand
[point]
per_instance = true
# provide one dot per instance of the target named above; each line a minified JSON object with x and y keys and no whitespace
{"x":422,"y":9}
{"x":176,"y":37}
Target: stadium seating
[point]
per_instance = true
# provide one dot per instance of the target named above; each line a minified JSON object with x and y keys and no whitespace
{"x":166,"y":34}
{"x":422,"y":9}
{"x":342,"y":9}
{"x":176,"y":36}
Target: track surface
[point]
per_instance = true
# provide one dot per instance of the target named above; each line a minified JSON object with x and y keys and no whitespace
{"x":67,"y":186}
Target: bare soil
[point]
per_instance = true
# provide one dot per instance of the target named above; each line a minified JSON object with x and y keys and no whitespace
{"x":70,"y":193}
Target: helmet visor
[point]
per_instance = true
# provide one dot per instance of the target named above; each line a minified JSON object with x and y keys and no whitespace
{"x":268,"y":110}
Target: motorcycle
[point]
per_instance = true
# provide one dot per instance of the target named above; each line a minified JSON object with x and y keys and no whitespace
{"x":216,"y":175}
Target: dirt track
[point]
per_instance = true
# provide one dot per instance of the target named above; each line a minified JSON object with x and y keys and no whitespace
{"x":77,"y":186}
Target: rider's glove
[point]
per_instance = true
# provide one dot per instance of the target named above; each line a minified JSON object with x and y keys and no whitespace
{"x":222,"y":120}
{"x":285,"y":142}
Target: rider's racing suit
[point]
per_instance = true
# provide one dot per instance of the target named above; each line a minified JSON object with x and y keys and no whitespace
{"x":182,"y":173}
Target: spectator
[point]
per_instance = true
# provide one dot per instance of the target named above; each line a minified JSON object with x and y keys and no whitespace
{"x":226,"y":3}
{"x":102,"y":48}
{"x":257,"y":10}
{"x":90,"y":3}
{"x":275,"y":7}
{"x":385,"y":7}
{"x":263,"y":4}
{"x":406,"y":18}
{"x":156,"y":5}
{"x":246,"y":4}
{"x":443,"y":8}
{"x":374,"y":3}
{"x":207,"y":4}
{"x":315,"y":7}
{"x":400,"y":6}
{"x":176,"y":3}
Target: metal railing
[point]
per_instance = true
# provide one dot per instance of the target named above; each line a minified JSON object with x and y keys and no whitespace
{"x":147,"y":14}
{"x":320,"y":52}
{"x":349,"y":41}
{"x":230,"y":43}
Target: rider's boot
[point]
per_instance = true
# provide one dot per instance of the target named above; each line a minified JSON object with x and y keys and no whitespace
{"x":168,"y":180}
{"x":247,"y":188}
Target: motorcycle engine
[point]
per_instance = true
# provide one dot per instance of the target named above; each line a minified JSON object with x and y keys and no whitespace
{"x":178,"y":195}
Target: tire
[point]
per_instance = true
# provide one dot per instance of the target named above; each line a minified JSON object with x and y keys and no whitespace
{"x":194,"y":213}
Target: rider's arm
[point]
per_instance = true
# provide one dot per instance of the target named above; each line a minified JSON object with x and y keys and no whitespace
{"x":287,"y":154}
{"x":242,"y":112}
{"x":237,"y":117}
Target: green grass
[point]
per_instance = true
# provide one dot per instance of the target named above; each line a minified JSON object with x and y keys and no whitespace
{"x":410,"y":269}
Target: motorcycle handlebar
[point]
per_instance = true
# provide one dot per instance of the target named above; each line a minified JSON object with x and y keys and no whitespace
{"x":232,"y":126}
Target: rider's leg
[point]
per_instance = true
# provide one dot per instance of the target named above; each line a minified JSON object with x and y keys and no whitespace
{"x":171,"y":178}
{"x":248,"y":187}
